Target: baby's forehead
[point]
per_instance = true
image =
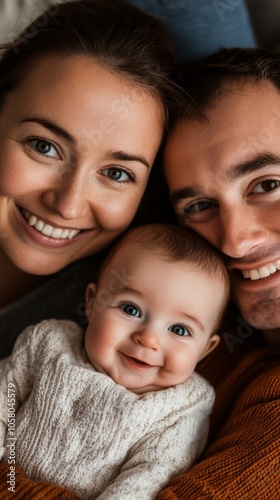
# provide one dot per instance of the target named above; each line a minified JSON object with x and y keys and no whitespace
{"x":133,"y":253}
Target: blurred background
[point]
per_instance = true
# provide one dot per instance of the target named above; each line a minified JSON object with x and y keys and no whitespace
{"x":15,"y":15}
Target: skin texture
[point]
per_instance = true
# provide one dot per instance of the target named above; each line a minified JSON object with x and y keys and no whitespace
{"x":90,"y":177}
{"x":224,"y":180}
{"x":139,"y":298}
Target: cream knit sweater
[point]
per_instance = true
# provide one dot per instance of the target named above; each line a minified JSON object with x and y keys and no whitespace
{"x":78,"y":428}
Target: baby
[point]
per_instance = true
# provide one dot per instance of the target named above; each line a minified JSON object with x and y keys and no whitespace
{"x":116,"y":412}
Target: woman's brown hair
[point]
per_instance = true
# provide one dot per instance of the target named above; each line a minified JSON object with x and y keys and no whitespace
{"x":118,"y":35}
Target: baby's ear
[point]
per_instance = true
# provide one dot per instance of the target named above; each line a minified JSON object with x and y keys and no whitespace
{"x":90,"y":299}
{"x":210,"y":346}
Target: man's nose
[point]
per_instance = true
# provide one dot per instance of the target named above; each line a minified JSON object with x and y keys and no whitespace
{"x":147,"y":337}
{"x":241,"y":230}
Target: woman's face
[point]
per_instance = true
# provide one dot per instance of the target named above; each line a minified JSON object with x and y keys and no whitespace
{"x":76,"y":147}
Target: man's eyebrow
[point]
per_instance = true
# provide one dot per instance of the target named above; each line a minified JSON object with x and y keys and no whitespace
{"x":258,"y":162}
{"x":123,"y":156}
{"x":241,"y":170}
{"x":52,"y":127}
{"x":186,"y":192}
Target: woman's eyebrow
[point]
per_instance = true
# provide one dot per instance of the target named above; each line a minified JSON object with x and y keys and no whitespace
{"x":123,"y":156}
{"x":52,"y":127}
{"x":116,"y":155}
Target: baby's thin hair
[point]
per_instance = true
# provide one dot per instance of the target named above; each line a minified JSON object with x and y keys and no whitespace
{"x":177,"y":244}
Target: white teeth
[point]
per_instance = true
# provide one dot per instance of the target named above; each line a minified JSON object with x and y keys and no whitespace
{"x":72,"y":234}
{"x":39,"y":225}
{"x":57,"y":233}
{"x":65,"y":234}
{"x":32,"y":220}
{"x":254,"y":275}
{"x":262,"y":272}
{"x":272,"y":268}
{"x":47,"y":229}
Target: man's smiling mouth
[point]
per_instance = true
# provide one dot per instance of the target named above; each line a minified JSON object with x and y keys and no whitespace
{"x":262,"y":272}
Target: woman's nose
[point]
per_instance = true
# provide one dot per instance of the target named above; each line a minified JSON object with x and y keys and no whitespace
{"x":68,"y":195}
{"x":147,"y":338}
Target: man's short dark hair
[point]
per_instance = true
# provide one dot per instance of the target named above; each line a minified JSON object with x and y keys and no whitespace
{"x":205,"y":81}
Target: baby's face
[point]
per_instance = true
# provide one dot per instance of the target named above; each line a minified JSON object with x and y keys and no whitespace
{"x":150,"y":320}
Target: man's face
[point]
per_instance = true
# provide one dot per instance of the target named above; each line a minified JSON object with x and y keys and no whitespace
{"x":224,"y":181}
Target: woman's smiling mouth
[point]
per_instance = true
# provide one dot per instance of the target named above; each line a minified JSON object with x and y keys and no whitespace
{"x":47,"y":229}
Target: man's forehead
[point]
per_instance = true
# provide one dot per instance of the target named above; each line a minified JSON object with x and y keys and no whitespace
{"x":242,"y":128}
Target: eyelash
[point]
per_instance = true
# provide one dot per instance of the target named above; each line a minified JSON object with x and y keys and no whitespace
{"x":189,"y":212}
{"x":268,"y":180}
{"x":187,"y":328}
{"x":131,"y":176}
{"x":29,"y":140}
{"x":129,"y":303}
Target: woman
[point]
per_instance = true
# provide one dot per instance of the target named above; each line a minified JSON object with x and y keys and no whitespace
{"x":84,"y":96}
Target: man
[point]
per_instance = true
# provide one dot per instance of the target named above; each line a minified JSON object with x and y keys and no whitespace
{"x":222,"y":165}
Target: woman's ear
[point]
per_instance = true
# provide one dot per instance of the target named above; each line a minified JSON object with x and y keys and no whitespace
{"x":90,"y":299}
{"x":210,"y":346}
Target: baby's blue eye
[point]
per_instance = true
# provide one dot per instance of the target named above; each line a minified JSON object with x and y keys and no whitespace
{"x":180,"y":330}
{"x":130,"y":310}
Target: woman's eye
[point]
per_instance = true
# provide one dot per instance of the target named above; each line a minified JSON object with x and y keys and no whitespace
{"x":180,"y":330}
{"x":131,"y":310}
{"x":43,"y":147}
{"x":118,"y":174}
{"x":265,"y":186}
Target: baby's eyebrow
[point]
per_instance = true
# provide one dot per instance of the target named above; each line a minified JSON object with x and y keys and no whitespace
{"x":195,"y":320}
{"x":123,"y":290}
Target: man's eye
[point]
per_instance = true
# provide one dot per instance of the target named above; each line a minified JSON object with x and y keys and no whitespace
{"x":200,"y":206}
{"x":118,"y":174}
{"x":131,"y":310}
{"x":180,"y":330}
{"x":265,"y":186}
{"x":43,"y":147}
